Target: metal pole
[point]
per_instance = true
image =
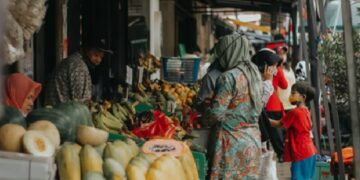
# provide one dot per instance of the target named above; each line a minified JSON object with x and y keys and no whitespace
{"x":322,"y":16}
{"x":314,"y":65}
{"x":337,"y":132}
{"x":294,"y":32}
{"x":304,"y":48}
{"x":322,"y":86}
{"x":349,"y":54}
{"x":327,"y":117}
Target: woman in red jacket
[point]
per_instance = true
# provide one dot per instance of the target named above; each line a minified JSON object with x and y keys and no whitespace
{"x":275,"y":110}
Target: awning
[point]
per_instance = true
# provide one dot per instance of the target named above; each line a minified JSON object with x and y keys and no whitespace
{"x":250,"y":25}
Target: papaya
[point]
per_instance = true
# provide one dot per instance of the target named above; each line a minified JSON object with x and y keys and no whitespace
{"x":93,"y":176}
{"x":166,"y":167}
{"x":139,"y":165}
{"x":68,"y":162}
{"x":100,"y":149}
{"x":113,"y":170}
{"x":90,"y":160}
{"x":133,"y":146}
{"x":188,"y":164}
{"x":178,"y":149}
{"x":119,"y":151}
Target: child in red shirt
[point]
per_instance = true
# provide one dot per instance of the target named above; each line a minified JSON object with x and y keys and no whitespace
{"x":299,"y":147}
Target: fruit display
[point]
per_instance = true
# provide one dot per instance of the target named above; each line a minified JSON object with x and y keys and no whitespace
{"x":36,"y":140}
{"x":90,"y":160}
{"x":68,"y":162}
{"x":163,"y":91}
{"x":92,"y":136}
{"x":105,"y":120}
{"x":49,"y":129}
{"x":38,"y":144}
{"x":12,"y":115}
{"x":125,"y":160}
{"x":11,"y":137}
{"x":77,"y":111}
{"x":66,"y":117}
{"x":149,"y":62}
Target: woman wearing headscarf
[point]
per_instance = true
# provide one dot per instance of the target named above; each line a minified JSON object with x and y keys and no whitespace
{"x":236,"y":107}
{"x":21,"y":92}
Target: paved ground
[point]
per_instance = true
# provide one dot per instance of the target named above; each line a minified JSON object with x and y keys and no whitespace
{"x":283,"y":171}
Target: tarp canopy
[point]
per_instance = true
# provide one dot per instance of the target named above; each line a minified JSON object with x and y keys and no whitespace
{"x":249,"y":25}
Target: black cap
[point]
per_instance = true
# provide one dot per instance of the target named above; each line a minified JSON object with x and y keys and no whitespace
{"x":100,"y":45}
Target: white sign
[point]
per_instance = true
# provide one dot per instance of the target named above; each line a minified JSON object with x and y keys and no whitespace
{"x":171,"y":106}
{"x":155,"y":75}
{"x":141,"y":74}
{"x":129,"y":75}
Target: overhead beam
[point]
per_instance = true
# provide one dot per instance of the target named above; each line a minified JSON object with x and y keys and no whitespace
{"x":265,"y":7}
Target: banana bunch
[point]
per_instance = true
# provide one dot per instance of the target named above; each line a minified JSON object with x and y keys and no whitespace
{"x":149,"y":62}
{"x":130,"y":107}
{"x":103,"y":119}
{"x":119,"y":112}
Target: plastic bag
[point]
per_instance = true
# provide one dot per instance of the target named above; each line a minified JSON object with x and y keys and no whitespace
{"x":268,"y":166}
{"x":160,"y":127}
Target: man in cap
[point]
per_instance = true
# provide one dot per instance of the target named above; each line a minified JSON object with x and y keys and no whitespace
{"x":71,"y":80}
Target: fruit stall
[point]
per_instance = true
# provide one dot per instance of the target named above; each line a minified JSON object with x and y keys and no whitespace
{"x":143,"y":132}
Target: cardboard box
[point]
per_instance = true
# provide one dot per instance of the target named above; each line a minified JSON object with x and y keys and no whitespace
{"x":19,"y":166}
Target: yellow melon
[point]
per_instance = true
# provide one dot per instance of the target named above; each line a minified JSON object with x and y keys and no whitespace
{"x":11,"y":137}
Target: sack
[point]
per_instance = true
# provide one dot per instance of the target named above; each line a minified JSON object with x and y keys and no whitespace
{"x":268,"y":166}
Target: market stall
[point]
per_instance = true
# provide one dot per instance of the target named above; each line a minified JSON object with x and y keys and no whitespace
{"x":143,"y":132}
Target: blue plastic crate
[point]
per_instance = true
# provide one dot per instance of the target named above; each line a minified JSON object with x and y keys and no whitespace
{"x":178,"y":69}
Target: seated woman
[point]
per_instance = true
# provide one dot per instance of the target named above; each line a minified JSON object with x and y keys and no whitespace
{"x":21,"y":92}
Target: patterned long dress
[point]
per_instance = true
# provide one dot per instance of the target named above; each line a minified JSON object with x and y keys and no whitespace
{"x":238,"y":146}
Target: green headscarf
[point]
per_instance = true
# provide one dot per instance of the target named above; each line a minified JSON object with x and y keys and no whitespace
{"x":233,"y":52}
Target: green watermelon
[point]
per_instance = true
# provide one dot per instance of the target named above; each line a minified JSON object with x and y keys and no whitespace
{"x":77,"y":111}
{"x":65,"y":124}
{"x":65,"y":116}
{"x":12,"y":115}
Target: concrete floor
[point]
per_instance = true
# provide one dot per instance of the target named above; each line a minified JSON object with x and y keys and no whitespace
{"x":283,"y":171}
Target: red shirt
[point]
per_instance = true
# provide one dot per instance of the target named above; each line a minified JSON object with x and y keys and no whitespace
{"x":298,"y":143}
{"x":279,"y":81}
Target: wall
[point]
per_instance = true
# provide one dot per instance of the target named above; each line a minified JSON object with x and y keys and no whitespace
{"x":167,"y":8}
{"x":155,"y":28}
{"x":2,"y":22}
{"x":204,"y":32}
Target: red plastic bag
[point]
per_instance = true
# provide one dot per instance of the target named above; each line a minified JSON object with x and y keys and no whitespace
{"x":160,"y":127}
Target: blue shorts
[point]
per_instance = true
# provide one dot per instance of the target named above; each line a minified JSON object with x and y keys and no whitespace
{"x":304,"y":169}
